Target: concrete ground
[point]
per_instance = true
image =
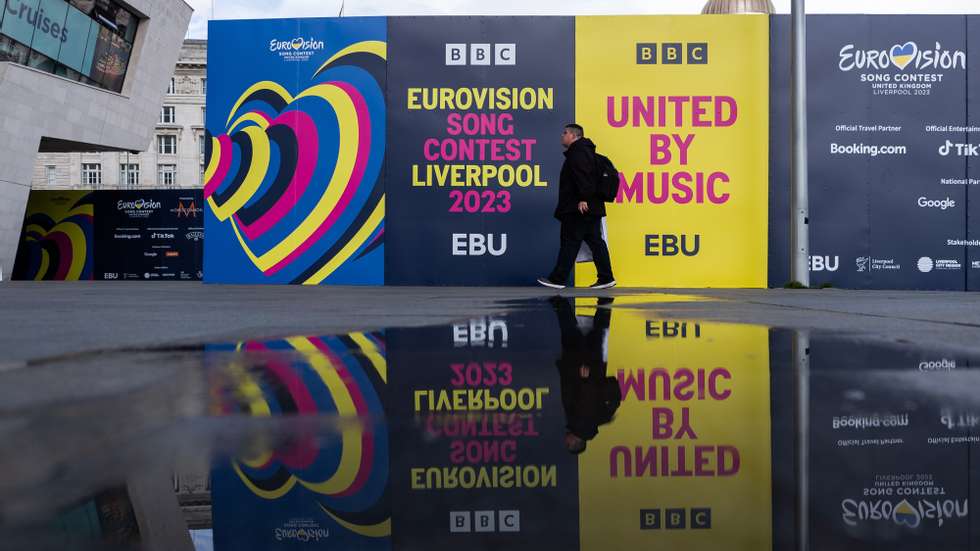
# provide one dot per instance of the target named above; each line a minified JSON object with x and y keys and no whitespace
{"x":46,"y":320}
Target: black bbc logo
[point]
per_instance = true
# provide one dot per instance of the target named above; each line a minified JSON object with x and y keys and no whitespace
{"x":672,"y":53}
{"x":675,"y":519}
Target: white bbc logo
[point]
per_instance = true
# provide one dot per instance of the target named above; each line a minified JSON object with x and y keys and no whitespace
{"x":481,"y":54}
{"x":484,"y":521}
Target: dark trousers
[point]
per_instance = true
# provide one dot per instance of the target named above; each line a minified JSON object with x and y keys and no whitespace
{"x":574,"y":230}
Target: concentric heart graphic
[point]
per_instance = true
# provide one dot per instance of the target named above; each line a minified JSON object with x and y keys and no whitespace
{"x":903,"y":54}
{"x":319,"y":376}
{"x":292,"y":169}
{"x":57,"y":248}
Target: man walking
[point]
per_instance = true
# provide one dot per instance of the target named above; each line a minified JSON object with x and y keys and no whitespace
{"x":580,"y":211}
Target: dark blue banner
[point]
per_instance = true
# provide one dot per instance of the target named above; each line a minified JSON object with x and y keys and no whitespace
{"x":477,"y":108}
{"x":887,"y":166}
{"x":891,"y":448}
{"x":973,"y":172}
{"x":480,"y":441}
{"x":779,"y":149}
{"x":917,"y":105}
{"x":149,"y":235}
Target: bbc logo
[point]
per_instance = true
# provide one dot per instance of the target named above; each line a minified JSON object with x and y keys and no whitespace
{"x":481,"y":54}
{"x":675,"y":519}
{"x":484,"y":521}
{"x":672,"y":53}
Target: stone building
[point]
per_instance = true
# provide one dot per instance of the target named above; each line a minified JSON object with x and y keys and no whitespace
{"x":175,"y":157}
{"x":87,"y":75}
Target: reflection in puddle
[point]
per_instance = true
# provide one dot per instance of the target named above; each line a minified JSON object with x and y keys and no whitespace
{"x":885,"y":464}
{"x":307,"y":489}
{"x":567,"y":424}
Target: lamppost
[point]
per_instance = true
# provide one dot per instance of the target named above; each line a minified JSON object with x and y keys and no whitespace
{"x":799,"y":198}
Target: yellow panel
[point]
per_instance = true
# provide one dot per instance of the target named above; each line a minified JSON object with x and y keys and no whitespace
{"x":732,"y":240}
{"x":735,"y":420}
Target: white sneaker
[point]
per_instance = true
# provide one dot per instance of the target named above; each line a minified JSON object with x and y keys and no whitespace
{"x":606,"y":285}
{"x":548,"y":283}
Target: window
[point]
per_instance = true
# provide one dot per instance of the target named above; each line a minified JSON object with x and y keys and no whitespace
{"x":204,"y":86}
{"x":202,"y":176}
{"x":200,"y":140}
{"x":67,"y":72}
{"x":168,"y":114}
{"x":11,"y":50}
{"x":91,"y":175}
{"x":84,"y":5}
{"x":88,"y":41}
{"x":167,"y":144}
{"x":172,"y":89}
{"x":167,"y":175}
{"x":52,"y":177}
{"x":204,"y":116}
{"x":129,"y":175}
{"x":40,"y":61}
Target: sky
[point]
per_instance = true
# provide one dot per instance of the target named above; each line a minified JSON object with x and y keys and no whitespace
{"x":263,"y":9}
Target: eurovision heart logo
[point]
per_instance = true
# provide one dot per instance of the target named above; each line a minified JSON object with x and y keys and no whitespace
{"x":58,"y":247}
{"x":907,"y":515}
{"x":315,"y":377}
{"x":297,"y":43}
{"x":290,"y":168}
{"x":903,"y":54}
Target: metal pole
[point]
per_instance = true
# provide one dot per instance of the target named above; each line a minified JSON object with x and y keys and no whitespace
{"x":799,"y":200}
{"x":801,"y":368}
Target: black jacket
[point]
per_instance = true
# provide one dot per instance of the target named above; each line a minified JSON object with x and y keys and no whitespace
{"x":592,"y":401}
{"x":578,"y":181}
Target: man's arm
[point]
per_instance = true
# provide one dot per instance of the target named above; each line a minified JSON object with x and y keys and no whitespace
{"x":583,"y":169}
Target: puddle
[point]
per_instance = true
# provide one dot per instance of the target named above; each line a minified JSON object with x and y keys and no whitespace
{"x":570,"y":423}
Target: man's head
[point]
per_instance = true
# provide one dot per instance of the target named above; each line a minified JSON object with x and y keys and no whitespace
{"x":574,"y":444}
{"x":571,"y":133}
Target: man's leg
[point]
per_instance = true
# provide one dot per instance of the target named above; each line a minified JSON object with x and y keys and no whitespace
{"x":600,"y":252}
{"x":571,"y":241}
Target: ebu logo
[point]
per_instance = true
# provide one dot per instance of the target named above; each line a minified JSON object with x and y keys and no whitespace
{"x":672,"y":245}
{"x":672,"y":53}
{"x":825,"y":263}
{"x":672,"y":330}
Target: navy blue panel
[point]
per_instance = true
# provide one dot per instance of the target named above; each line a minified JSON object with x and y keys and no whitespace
{"x":430,"y":244}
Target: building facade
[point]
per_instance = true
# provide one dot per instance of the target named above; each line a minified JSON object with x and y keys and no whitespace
{"x":175,"y":157}
{"x":78,"y":75}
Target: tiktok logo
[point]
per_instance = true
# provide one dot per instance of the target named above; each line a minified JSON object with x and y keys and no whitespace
{"x":960,"y":149}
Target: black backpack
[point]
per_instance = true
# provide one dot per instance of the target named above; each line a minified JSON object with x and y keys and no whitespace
{"x":607,"y":178}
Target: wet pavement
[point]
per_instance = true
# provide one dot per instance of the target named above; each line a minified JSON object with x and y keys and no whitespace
{"x":567,"y":422}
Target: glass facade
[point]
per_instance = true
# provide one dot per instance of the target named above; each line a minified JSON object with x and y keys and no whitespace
{"x":85,"y":40}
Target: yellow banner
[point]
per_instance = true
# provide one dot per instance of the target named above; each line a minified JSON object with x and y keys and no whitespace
{"x":681,"y":106}
{"x":686,"y":462}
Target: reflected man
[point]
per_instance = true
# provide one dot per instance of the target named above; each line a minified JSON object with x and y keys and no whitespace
{"x":589,"y":397}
